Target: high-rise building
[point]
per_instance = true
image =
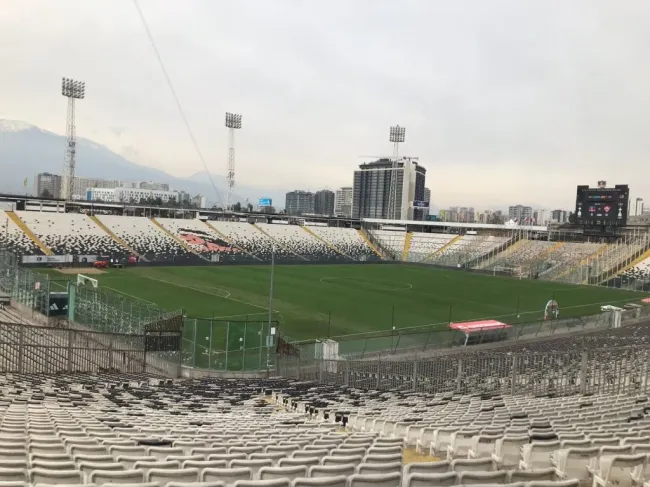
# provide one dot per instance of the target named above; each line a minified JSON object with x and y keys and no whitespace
{"x":541,"y":217}
{"x":343,"y":202}
{"x":299,"y":202}
{"x":520,"y":214}
{"x":324,"y":202}
{"x":639,"y":207}
{"x":153,"y":186}
{"x":559,"y":216}
{"x":47,"y":185}
{"x":371,"y":190}
{"x":427,"y":198}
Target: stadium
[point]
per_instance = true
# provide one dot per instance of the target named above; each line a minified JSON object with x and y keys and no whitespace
{"x":151,"y":338}
{"x":243,"y":349}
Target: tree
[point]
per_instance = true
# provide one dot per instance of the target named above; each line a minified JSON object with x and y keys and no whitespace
{"x":572,"y":218}
{"x":46,"y":193}
{"x":236,"y":207}
{"x":250,"y":208}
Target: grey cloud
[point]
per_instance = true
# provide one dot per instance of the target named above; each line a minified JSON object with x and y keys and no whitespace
{"x":504,"y":101}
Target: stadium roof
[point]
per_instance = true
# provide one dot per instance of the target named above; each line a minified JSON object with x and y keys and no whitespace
{"x":426,"y":223}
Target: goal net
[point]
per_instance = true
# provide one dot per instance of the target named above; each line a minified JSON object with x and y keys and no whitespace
{"x":511,"y":271}
{"x":87,"y":281}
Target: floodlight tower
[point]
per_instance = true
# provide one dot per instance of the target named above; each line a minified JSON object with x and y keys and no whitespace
{"x":233,"y":122}
{"x":72,"y":90}
{"x":397,"y":136}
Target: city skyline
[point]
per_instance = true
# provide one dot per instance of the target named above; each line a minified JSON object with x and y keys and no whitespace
{"x":528,"y":98}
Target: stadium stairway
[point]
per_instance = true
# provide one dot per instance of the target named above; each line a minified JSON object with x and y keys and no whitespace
{"x":590,"y":258}
{"x":608,"y":275}
{"x":115,"y":238}
{"x":442,"y":249}
{"x":178,"y":240}
{"x":332,"y":247}
{"x":21,"y":224}
{"x":407,"y":246}
{"x":365,"y":237}
{"x":502,"y":253}
{"x":279,"y":244}
{"x":230,"y":241}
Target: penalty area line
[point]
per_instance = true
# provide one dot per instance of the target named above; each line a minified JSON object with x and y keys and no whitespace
{"x":209,"y":293}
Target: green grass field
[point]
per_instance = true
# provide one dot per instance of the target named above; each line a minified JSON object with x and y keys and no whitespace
{"x":228,"y":307}
{"x":334,"y":300}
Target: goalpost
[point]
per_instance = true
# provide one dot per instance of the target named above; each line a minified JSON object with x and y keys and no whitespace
{"x":513,"y":271}
{"x":85,"y":280}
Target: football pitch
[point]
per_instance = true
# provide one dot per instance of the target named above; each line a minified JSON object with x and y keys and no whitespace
{"x":315,"y":301}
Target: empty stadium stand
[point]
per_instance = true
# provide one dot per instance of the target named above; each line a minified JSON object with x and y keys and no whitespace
{"x":11,"y":235}
{"x":71,"y":233}
{"x":145,"y":238}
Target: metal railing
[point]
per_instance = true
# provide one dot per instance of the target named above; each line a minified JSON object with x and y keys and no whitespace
{"x":47,"y":350}
{"x":604,"y":371}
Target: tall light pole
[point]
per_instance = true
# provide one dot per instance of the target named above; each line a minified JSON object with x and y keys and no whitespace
{"x":72,"y":90}
{"x":233,"y":122}
{"x":397,"y":136}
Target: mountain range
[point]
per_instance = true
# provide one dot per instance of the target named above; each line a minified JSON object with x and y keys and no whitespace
{"x":26,"y":150}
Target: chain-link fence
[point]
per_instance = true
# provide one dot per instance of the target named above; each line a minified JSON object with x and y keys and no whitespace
{"x":421,"y":341}
{"x":229,"y":345}
{"x":602,"y":371}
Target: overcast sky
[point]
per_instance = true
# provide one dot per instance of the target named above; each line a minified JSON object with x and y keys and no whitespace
{"x":505,"y":102}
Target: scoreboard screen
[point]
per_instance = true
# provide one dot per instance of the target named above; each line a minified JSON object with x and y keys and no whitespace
{"x":605,"y":207}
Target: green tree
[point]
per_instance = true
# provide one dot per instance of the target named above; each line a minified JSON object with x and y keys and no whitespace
{"x":236,"y":207}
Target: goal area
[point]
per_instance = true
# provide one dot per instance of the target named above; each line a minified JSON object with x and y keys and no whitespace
{"x":510,"y":271}
{"x":87,"y":281}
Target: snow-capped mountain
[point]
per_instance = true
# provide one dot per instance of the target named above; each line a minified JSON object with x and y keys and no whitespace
{"x":26,"y":150}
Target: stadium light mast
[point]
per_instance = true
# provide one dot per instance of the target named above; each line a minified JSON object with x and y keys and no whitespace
{"x":397,"y":136}
{"x":233,"y":122}
{"x":72,"y":90}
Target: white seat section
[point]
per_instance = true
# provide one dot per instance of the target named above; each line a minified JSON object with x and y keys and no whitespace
{"x":143,"y":236}
{"x":12,"y":236}
{"x":71,"y":234}
{"x":391,"y":240}
{"x":507,"y":451}
{"x":299,"y":241}
{"x":346,"y":240}
{"x":424,"y":245}
{"x":252,"y":240}
{"x":263,"y":483}
{"x":478,"y":478}
{"x":319,"y":471}
{"x":547,"y":474}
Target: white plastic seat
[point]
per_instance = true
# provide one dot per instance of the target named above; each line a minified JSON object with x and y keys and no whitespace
{"x":382,"y":459}
{"x":537,"y":454}
{"x":342,"y":460}
{"x":129,"y":461}
{"x":162,"y":452}
{"x":101,"y":477}
{"x":381,"y":480}
{"x":87,"y":468}
{"x":13,"y":475}
{"x":42,"y":476}
{"x":201,"y":465}
{"x":548,"y":474}
{"x":164,"y":476}
{"x":271,"y":473}
{"x":507,"y":451}
{"x":482,"y":446}
{"x":263,"y":483}
{"x":226,"y":475}
{"x":253,"y":465}
{"x":161,"y":465}
{"x":441,"y":466}
{"x":340,"y":481}
{"x":478,"y":478}
{"x":619,"y":470}
{"x":471,"y":465}
{"x":307,"y":462}
{"x":460,"y":443}
{"x":373,"y":468}
{"x":318,"y":471}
